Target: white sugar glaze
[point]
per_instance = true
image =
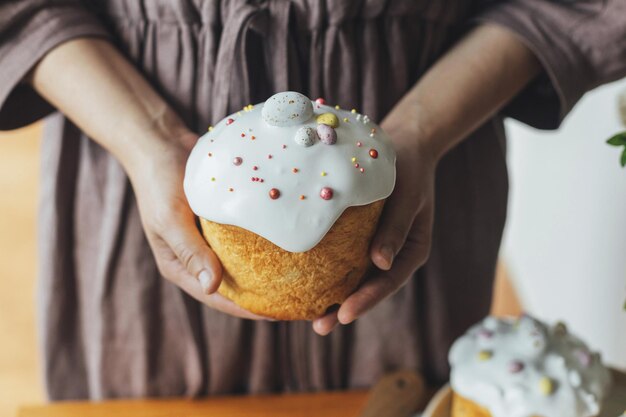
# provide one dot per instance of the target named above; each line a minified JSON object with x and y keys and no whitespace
{"x":222,"y":191}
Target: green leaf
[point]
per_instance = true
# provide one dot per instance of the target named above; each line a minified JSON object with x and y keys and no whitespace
{"x":623,"y":159}
{"x":618,"y":140}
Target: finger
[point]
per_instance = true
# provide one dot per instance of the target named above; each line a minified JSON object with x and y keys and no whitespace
{"x":325,"y":324}
{"x":382,"y":284}
{"x":194,"y":253}
{"x":395,"y":223}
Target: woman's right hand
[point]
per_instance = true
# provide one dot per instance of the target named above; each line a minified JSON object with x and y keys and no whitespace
{"x":181,"y":253}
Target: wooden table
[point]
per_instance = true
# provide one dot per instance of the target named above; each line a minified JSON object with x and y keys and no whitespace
{"x":340,"y":404}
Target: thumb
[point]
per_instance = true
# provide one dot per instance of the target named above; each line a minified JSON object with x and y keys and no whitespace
{"x":195,"y":254}
{"x":395,"y":222}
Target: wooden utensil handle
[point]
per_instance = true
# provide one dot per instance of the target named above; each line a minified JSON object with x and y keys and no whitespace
{"x":398,"y":394}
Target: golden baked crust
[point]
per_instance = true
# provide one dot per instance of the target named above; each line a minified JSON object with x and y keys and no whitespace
{"x":462,"y":407}
{"x":267,"y":280}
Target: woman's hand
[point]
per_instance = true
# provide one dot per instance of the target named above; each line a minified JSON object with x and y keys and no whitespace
{"x":402,"y":241}
{"x":181,"y":253}
{"x":95,"y":86}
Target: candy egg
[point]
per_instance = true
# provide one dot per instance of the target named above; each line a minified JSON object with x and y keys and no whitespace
{"x":546,"y":386}
{"x":287,"y":109}
{"x":329,"y":119}
{"x":326,"y":134}
{"x":305,"y":136}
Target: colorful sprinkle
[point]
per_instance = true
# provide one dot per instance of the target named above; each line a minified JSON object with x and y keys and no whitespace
{"x":485,"y":334}
{"x":516,"y":367}
{"x":243,"y":135}
{"x":327,"y":134}
{"x":326,"y":193}
{"x":359,"y":144}
{"x":210,"y":154}
{"x":323,"y":174}
{"x":320,"y":101}
{"x":337,"y":107}
{"x":302,"y":197}
{"x":212,"y":178}
{"x":356,"y":165}
{"x":374,"y":153}
{"x":584,"y":357}
{"x":274,"y":193}
{"x":485,"y":355}
{"x":284,"y":146}
{"x":329,"y":119}
{"x":210,"y":128}
{"x":231,"y":189}
{"x":269,"y":156}
{"x":237,"y":161}
{"x":353,"y":159}
{"x":295,"y":170}
{"x":362,"y":170}
{"x":229,"y":121}
{"x":253,"y":137}
{"x":345,"y":120}
{"x":255,"y":167}
{"x":353,"y":111}
{"x":546,"y":386}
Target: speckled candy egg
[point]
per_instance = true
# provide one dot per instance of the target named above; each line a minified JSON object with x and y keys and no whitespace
{"x":287,"y":109}
{"x":305,"y":136}
{"x":327,"y":134}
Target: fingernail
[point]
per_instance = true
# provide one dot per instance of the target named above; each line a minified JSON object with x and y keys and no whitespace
{"x":387,"y":254}
{"x":206,"y":281}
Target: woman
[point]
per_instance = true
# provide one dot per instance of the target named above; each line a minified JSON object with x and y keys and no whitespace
{"x":137,"y":81}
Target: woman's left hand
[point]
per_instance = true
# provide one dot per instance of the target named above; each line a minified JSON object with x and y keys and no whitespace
{"x":402,"y":241}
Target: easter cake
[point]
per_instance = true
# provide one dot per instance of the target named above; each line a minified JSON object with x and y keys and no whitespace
{"x":289,"y":193}
{"x":525,"y":368}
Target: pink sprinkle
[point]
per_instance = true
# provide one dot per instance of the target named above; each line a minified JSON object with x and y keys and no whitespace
{"x":210,"y":154}
{"x":515,"y":367}
{"x":362,"y":169}
{"x":229,"y":121}
{"x":237,"y":161}
{"x":356,"y":165}
{"x":326,"y":193}
{"x":255,"y":167}
{"x":284,"y":146}
{"x":320,"y":101}
{"x":269,"y":156}
{"x":262,"y":180}
{"x":359,"y":144}
{"x":485,"y":334}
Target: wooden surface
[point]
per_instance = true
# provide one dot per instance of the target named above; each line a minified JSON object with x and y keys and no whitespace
{"x":305,"y":405}
{"x":19,"y":172}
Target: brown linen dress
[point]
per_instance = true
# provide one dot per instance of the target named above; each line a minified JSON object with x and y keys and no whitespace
{"x":112,"y":327}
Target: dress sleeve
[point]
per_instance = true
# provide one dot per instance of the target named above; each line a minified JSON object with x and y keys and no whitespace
{"x":580,"y":44}
{"x":28,"y":30}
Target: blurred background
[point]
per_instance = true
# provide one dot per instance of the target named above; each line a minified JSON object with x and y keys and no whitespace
{"x":563,"y":256}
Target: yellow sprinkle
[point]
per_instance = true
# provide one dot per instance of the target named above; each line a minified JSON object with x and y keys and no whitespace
{"x":210,"y":128}
{"x":353,"y":111}
{"x":323,"y":173}
{"x":212,"y":178}
{"x":238,"y":113}
{"x":337,"y":107}
{"x":546,"y":386}
{"x":329,"y":119}
{"x":345,"y":119}
{"x":484,"y":355}
{"x":353,"y":159}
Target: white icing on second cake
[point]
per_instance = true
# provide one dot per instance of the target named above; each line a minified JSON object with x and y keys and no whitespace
{"x":255,"y":170}
{"x":524,"y":368}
